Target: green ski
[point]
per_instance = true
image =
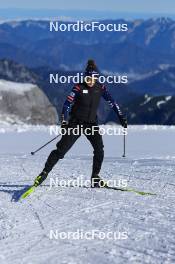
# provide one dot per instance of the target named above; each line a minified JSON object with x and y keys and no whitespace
{"x":140,"y":192}
{"x":129,"y":190}
{"x":30,"y":190}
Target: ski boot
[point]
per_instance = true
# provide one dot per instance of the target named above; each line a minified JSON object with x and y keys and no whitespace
{"x":40,"y":178}
{"x":97,"y":182}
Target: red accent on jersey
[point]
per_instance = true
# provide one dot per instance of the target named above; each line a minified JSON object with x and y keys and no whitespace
{"x":77,"y":88}
{"x":70,"y":98}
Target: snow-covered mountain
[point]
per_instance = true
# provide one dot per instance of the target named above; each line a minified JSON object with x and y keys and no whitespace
{"x":15,"y":72}
{"x":146,"y":45}
{"x":149,"y":109}
{"x":157,"y":85}
{"x":159,"y":82}
{"x":25,"y":103}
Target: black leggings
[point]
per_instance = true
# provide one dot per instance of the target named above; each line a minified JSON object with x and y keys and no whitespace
{"x":67,"y":142}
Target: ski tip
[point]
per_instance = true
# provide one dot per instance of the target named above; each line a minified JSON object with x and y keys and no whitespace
{"x":27,"y":193}
{"x":146,"y":193}
{"x":140,"y":192}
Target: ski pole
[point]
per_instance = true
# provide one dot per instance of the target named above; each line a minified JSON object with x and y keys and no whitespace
{"x":33,"y":152}
{"x":124,"y":146}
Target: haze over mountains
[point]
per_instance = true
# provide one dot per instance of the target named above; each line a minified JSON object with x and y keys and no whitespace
{"x":26,"y":13}
{"x":29,"y":52}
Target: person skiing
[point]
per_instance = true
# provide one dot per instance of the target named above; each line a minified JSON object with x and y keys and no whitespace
{"x":80,"y":109}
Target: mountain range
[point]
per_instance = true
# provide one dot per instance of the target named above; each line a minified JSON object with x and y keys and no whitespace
{"x":143,"y":101}
{"x":146,"y":46}
{"x":146,"y":53}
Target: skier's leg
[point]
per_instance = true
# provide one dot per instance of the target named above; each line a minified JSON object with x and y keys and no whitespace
{"x":63,"y":146}
{"x":97,"y":144}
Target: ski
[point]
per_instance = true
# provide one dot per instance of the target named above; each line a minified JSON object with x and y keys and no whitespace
{"x":129,"y":190}
{"x":140,"y":192}
{"x":39,"y":179}
{"x":30,"y":190}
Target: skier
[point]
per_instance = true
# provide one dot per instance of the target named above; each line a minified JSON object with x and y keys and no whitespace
{"x":80,"y":109}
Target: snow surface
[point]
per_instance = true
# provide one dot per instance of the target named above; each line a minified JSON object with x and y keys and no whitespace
{"x":18,"y":88}
{"x":148,"y":220}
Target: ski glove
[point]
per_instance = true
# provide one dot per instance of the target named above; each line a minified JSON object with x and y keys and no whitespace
{"x":64,"y":124}
{"x":124,"y":122}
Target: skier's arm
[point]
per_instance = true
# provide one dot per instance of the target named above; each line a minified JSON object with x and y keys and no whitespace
{"x":68,"y":103}
{"x":106,"y":95}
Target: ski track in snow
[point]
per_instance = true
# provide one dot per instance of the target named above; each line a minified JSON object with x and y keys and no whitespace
{"x":148,"y":220}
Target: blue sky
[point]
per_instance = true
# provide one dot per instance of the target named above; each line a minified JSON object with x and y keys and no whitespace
{"x":146,"y":6}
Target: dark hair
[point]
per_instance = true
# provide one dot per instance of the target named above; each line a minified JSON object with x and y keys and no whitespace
{"x":91,"y":67}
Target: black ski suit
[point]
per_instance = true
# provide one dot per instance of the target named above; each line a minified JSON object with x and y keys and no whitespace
{"x":83,"y":102}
